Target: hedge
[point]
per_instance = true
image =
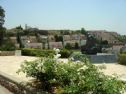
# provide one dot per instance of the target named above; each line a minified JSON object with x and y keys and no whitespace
{"x":37,"y":52}
{"x":122,"y":59}
{"x":44,"y":53}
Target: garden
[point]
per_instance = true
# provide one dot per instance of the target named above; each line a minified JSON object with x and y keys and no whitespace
{"x":73,"y":77}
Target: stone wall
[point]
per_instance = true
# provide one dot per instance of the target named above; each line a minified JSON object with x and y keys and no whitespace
{"x":108,"y":58}
{"x":7,"y":53}
{"x":14,"y":86}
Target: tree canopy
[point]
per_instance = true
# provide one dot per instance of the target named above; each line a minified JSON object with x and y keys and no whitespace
{"x":2,"y":15}
{"x":2,"y":29}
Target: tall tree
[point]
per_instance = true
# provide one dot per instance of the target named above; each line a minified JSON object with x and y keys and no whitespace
{"x":2,"y":29}
{"x":83,"y":31}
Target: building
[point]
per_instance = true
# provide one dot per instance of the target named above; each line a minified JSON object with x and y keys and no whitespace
{"x":66,"y":37}
{"x":33,"y":45}
{"x":105,"y":35}
{"x":13,"y":39}
{"x":51,"y":38}
{"x":58,"y":45}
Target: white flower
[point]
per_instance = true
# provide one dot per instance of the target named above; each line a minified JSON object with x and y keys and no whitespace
{"x":83,"y":68}
{"x":56,"y":50}
{"x":57,"y":56}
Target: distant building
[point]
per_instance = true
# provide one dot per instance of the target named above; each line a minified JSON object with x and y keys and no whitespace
{"x":13,"y":39}
{"x":72,"y":43}
{"x":43,"y":38}
{"x":66,"y":38}
{"x":55,"y":45}
{"x":51,"y":38}
{"x":32,"y":39}
{"x":78,"y":37}
{"x":33,"y":45}
{"x":105,"y":35}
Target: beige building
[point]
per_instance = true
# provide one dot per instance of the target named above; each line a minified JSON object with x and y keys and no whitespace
{"x":105,"y":35}
{"x":51,"y":38}
{"x":66,"y":37}
{"x":72,"y":43}
{"x":55,"y":45}
{"x":13,"y":39}
{"x":33,"y":45}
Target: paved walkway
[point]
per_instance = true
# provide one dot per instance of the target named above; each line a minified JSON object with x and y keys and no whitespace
{"x":4,"y":90}
{"x":10,"y":64}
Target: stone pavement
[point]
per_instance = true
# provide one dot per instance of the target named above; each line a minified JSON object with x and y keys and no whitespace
{"x":10,"y":64}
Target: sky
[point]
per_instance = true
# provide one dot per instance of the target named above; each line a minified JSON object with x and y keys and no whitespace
{"x":66,"y":14}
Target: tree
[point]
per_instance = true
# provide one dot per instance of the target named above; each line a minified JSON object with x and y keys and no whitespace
{"x":121,"y":38}
{"x":2,"y":15}
{"x":68,"y":46}
{"x":18,"y":35}
{"x":58,"y":38}
{"x":76,"y":45}
{"x":8,"y":45}
{"x":83,"y":31}
{"x":2,"y":29}
{"x":19,"y":27}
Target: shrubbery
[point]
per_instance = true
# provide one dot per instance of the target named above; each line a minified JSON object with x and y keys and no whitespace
{"x":122,"y":59}
{"x":7,"y":46}
{"x":45,"y":53}
{"x":37,"y":52}
{"x":71,"y":77}
{"x":65,"y":53}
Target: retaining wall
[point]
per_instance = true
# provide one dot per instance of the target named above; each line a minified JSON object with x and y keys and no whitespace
{"x":17,"y":87}
{"x":110,"y":58}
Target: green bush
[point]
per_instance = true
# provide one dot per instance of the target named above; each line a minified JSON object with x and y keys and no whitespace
{"x":37,"y":52}
{"x":45,"y":53}
{"x":7,"y":46}
{"x":122,"y":59}
{"x":65,"y":53}
{"x":71,"y":77}
{"x":78,"y":56}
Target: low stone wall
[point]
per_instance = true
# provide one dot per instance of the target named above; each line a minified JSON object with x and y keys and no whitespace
{"x":7,"y":53}
{"x":108,"y":58}
{"x":10,"y":53}
{"x":14,"y":86}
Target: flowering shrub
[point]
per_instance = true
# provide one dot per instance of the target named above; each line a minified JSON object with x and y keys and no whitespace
{"x":71,"y":77}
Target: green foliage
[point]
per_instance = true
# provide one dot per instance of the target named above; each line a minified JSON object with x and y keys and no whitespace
{"x":121,"y":38}
{"x":68,"y":46}
{"x":83,"y":31}
{"x":58,"y":38}
{"x":2,"y":29}
{"x":45,"y":53}
{"x":7,"y":46}
{"x":71,"y":77}
{"x":2,"y":15}
{"x":37,"y":52}
{"x":122,"y":58}
{"x":19,"y":27}
{"x":77,"y":56}
{"x":64,"y":32}
{"x":65,"y":53}
{"x":76,"y":45}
